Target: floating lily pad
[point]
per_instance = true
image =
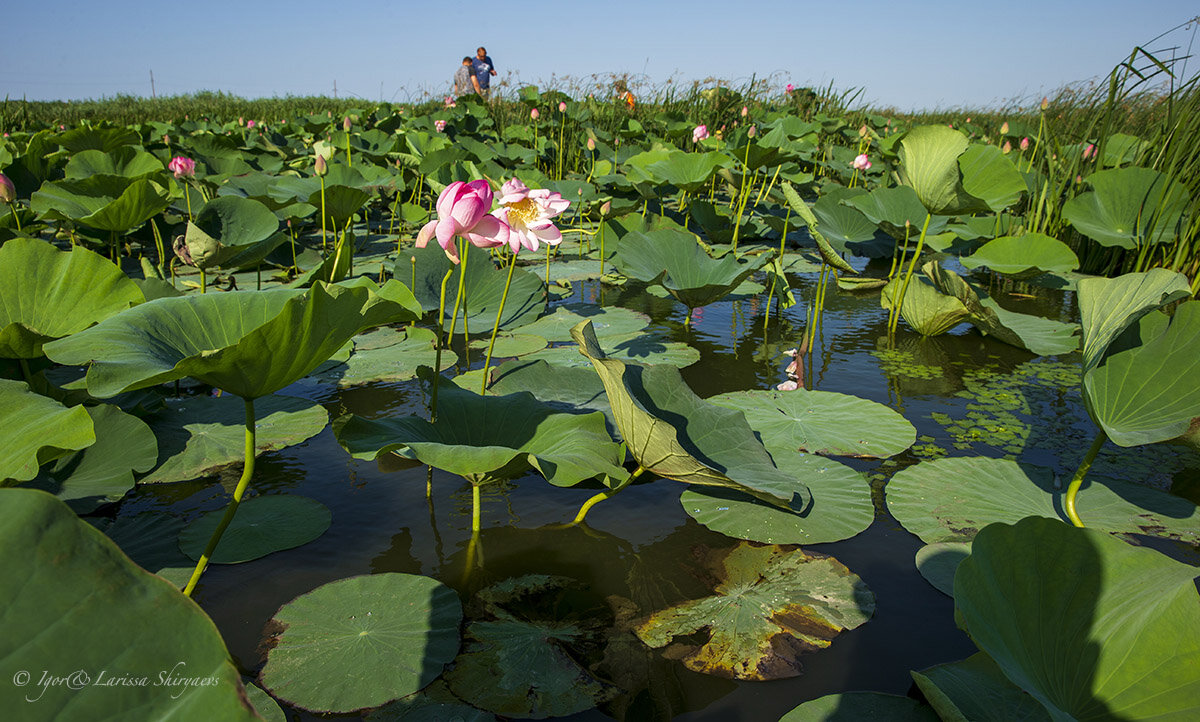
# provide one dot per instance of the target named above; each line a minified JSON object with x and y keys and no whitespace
{"x":68,"y":587}
{"x":511,"y":345}
{"x":841,"y":505}
{"x":1018,"y":254}
{"x":822,"y":422}
{"x":197,"y":436}
{"x":264,"y":525}
{"x":952,"y":499}
{"x":938,"y":562}
{"x":1090,"y":626}
{"x":435,"y":703}
{"x":37,"y":429}
{"x":399,"y":360}
{"x":976,"y":689}
{"x":771,"y":607}
{"x":565,"y":388}
{"x":635,"y":347}
{"x":857,"y":706}
{"x":610,"y":321}
{"x":569,"y":271}
{"x":361,"y":642}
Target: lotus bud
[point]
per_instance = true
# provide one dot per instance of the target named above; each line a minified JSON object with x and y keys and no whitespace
{"x":745,"y":111}
{"x":241,"y":121}
{"x":606,"y":208}
{"x":346,"y":124}
{"x":8,"y":191}
{"x":535,"y":114}
{"x":320,"y":167}
{"x":751,"y":132}
{"x":864,"y":131}
{"x":968,"y":120}
{"x":1045,"y":103}
{"x":1004,"y":128}
{"x":1006,"y":148}
{"x":166,"y":138}
{"x":1090,"y":151}
{"x":562,"y":107}
{"x":1025,"y":144}
{"x":591,"y":144}
{"x":440,"y":125}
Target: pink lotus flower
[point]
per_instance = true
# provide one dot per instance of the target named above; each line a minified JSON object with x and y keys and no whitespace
{"x":562,"y":107}
{"x":527,"y":214}
{"x":182,"y":167}
{"x":463,"y":211}
{"x":250,"y":124}
{"x":535,"y":114}
{"x":440,"y":125}
{"x":1024,"y":144}
{"x":8,"y":191}
{"x":861,"y":162}
{"x":789,"y":385}
{"x":789,"y":88}
{"x":699,"y":133}
{"x":450,"y":102}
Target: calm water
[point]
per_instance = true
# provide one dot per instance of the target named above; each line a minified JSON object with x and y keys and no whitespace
{"x":383,"y":521}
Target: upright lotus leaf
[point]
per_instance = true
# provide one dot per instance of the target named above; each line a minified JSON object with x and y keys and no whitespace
{"x":1144,"y":389}
{"x":989,"y":175}
{"x":47,"y":294}
{"x":805,"y":215}
{"x":892,"y":208}
{"x":520,"y":433}
{"x":976,"y":689}
{"x":138,"y":203}
{"x":35,"y":429}
{"x":929,"y":164}
{"x":229,"y":229}
{"x":952,"y":499}
{"x":928,"y":311}
{"x":124,"y":161}
{"x":69,"y":590}
{"x":771,"y":606}
{"x":361,"y":642}
{"x":674,"y":260}
{"x":842,"y":224}
{"x":637,"y":167}
{"x":341,"y":203}
{"x":1108,"y":306}
{"x":1012,"y":255}
{"x":855,"y":706}
{"x":1129,"y":207}
{"x":77,"y":140}
{"x":673,"y":433}
{"x":822,"y":422}
{"x":72,"y":199}
{"x":1091,"y":627}
{"x":248,"y":343}
{"x":688,"y":171}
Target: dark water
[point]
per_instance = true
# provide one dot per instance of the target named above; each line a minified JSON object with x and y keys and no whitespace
{"x":383,"y":521}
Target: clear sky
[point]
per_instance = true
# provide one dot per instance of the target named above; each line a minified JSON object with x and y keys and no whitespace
{"x":913,"y":55}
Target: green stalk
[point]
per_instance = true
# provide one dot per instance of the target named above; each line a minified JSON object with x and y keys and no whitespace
{"x":203,"y":281}
{"x":1077,"y":480}
{"x":587,"y":505}
{"x":895,"y":317}
{"x":437,"y":358}
{"x":512,"y":264}
{"x":231,"y":510}
{"x":322,"y":213}
{"x":349,"y":160}
{"x":162,"y":261}
{"x":13,"y":207}
{"x":188,"y":197}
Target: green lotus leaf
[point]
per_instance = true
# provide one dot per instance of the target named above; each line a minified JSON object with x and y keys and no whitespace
{"x":341,"y":203}
{"x":841,"y":505}
{"x":70,"y":200}
{"x":805,"y":215}
{"x":248,"y":343}
{"x":68,"y":587}
{"x":856,"y":706}
{"x":1144,"y":389}
{"x":842,"y":224}
{"x":771,"y":606}
{"x":569,"y":271}
{"x":1091,"y":627}
{"x":610,"y":321}
{"x":264,"y":525}
{"x":484,"y":288}
{"x":138,"y":203}
{"x":1128,"y":208}
{"x":937,"y":562}
{"x":929,"y":164}
{"x":675,"y":261}
{"x":688,"y":171}
{"x":227,"y":228}
{"x":1120,"y":148}
{"x":198,"y":436}
{"x":516,"y":663}
{"x":405,"y":351}
{"x":564,"y":388}
{"x":1108,"y":306}
{"x":47,"y":294}
{"x":521,"y":433}
{"x":124,"y":161}
{"x":673,"y":433}
{"x":976,"y":689}
{"x":822,"y":422}
{"x":753,"y":155}
{"x":952,"y":499}
{"x":1018,"y":254}
{"x":632,"y":347}
{"x":988,"y":174}
{"x":361,"y":642}
{"x":36,"y":430}
{"x":637,"y":166}
{"x":511,"y":345}
{"x":264,"y":704}
{"x":928,"y":311}
{"x":85,"y":138}
{"x":103,"y":472}
{"x":435,"y":703}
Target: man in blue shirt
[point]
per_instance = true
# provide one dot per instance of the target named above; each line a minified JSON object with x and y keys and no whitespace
{"x":484,"y":69}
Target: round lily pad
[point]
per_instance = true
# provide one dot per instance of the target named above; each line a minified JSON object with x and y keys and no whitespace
{"x":610,"y":321}
{"x":938,"y":562}
{"x":263,"y":525}
{"x":511,"y":345}
{"x":361,"y":642}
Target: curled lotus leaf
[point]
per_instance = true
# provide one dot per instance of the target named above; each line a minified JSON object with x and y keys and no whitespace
{"x":35,"y":429}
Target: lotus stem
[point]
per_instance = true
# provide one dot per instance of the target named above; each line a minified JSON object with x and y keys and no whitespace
{"x":203,"y":281}
{"x":187,"y":197}
{"x":13,"y":207}
{"x":349,"y":160}
{"x":1077,"y":480}
{"x":602,"y":250}
{"x":767,"y":188}
{"x":25,"y":371}
{"x":743,"y":193}
{"x":475,"y":509}
{"x":322,"y":213}
{"x":487,"y":364}
{"x":231,"y":510}
{"x":437,"y":357}
{"x":899,"y":303}
{"x":547,"y":269}
{"x":587,"y":505}
{"x":462,"y":283}
{"x":162,"y":261}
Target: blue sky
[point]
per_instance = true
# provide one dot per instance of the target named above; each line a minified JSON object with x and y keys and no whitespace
{"x":916,"y":55}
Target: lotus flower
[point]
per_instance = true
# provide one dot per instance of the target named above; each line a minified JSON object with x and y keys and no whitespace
{"x":562,"y":107}
{"x":182,"y":167}
{"x":535,"y":114}
{"x":250,"y":124}
{"x":1025,"y":144}
{"x":8,"y":191}
{"x":788,"y":385}
{"x":440,"y":125}
{"x":450,"y":102}
{"x":861,"y":162}
{"x":699,"y":133}
{"x":527,"y":214}
{"x":789,"y":88}
{"x":463,"y":211}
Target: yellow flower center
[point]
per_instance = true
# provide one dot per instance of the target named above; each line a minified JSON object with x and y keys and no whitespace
{"x":524,"y":211}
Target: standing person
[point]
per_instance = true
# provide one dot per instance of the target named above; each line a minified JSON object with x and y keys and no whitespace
{"x":484,"y":69}
{"x":465,"y":81}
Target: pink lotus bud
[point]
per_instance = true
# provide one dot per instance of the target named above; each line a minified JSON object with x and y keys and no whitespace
{"x":1025,"y":144}
{"x":751,"y":132}
{"x":346,"y":124}
{"x":166,"y":138}
{"x":591,"y":144}
{"x":562,"y":107}
{"x":606,"y":208}
{"x":861,"y":162}
{"x":788,"y":88}
{"x":1006,"y":148}
{"x":250,"y":124}
{"x":1090,"y":151}
{"x":8,"y":191}
{"x":968,"y":120}
{"x":320,"y":167}
{"x":241,"y":121}
{"x":745,"y":111}
{"x":1004,"y":128}
{"x":1045,"y":103}
{"x":440,"y":125}
{"x":699,"y":133}
{"x":535,"y":114}
{"x":864,"y":131}
{"x":1078,"y":179}
{"x":182,"y":167}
